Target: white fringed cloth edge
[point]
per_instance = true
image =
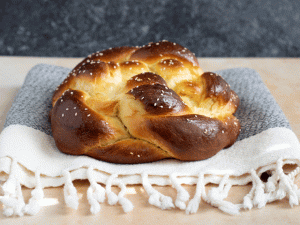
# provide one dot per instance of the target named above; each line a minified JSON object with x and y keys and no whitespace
{"x":41,"y":165}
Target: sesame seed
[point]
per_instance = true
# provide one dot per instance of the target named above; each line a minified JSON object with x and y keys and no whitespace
{"x":86,"y":109}
{"x":205,"y":131}
{"x":138,"y":156}
{"x":71,"y":92}
{"x":61,"y":100}
{"x":75,"y":114}
{"x":161,"y":106}
{"x":157,"y":43}
{"x":101,"y":54}
{"x":130,"y":68}
{"x":131,"y":153}
{"x":183,"y":50}
{"x":67,"y":109}
{"x":157,"y":99}
{"x":62,"y":115}
{"x":127,"y":62}
{"x":91,"y":73}
{"x":169,"y":106}
{"x":174,"y":43}
{"x":222,"y":131}
{"x":88,"y":115}
{"x":155,"y":104}
{"x":142,"y":98}
{"x":74,"y":107}
{"x":110,"y":48}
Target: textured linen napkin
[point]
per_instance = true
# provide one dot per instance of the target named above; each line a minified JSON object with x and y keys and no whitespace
{"x":29,"y":157}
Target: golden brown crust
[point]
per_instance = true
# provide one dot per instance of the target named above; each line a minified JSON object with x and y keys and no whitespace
{"x":143,"y":104}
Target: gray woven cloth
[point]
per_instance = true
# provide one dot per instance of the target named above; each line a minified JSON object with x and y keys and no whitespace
{"x":258,"y":110}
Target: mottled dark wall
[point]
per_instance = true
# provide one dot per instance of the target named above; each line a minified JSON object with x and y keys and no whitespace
{"x":212,"y":28}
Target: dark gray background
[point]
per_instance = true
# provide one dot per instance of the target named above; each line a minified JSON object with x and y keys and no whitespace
{"x":209,"y":28}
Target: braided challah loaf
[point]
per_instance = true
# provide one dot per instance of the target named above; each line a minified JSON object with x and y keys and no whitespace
{"x":143,"y":104}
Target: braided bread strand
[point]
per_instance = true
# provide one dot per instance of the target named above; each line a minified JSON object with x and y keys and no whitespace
{"x":143,"y":104}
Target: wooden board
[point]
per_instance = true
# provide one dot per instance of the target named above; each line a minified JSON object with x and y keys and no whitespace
{"x":281,"y":76}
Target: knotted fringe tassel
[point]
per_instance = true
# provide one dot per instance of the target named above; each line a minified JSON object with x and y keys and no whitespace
{"x":70,"y":192}
{"x":286,"y":185}
{"x":113,"y":198}
{"x":216,"y":195}
{"x":257,"y":196}
{"x":157,"y":199}
{"x":270,"y":186}
{"x":124,"y":202}
{"x":260,"y":198}
{"x":292,"y":176}
{"x":194,"y":203}
{"x":33,"y":207}
{"x":95,"y":192}
{"x":13,"y":201}
{"x":182,"y":194}
{"x":247,"y":204}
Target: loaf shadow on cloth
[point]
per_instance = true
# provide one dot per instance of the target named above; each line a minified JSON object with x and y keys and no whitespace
{"x":29,"y":157}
